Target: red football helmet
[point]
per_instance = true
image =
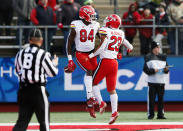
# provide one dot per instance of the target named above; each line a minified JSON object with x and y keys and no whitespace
{"x":112,"y":21}
{"x":87,"y":13}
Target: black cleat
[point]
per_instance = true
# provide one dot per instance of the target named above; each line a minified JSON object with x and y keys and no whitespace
{"x":150,"y":117}
{"x":161,"y":117}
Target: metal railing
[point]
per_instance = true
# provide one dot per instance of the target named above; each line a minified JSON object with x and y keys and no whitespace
{"x":153,"y":26}
{"x":21,"y":35}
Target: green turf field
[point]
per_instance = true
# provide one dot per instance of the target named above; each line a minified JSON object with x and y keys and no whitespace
{"x":83,"y":117}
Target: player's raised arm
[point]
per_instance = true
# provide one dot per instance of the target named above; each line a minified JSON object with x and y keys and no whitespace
{"x":70,"y":41}
{"x":127,"y":44}
{"x":100,"y":47}
{"x":71,"y":65}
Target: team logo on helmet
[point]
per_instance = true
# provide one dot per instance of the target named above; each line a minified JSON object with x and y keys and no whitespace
{"x":87,"y":13}
{"x":112,"y":21}
{"x":86,"y":10}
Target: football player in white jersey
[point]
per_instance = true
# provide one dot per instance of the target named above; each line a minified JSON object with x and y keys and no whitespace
{"x":111,"y":40}
{"x":83,"y":33}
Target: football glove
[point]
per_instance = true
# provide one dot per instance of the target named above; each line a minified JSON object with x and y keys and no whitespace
{"x":70,"y":67}
{"x":119,"y":56}
{"x":129,"y":51}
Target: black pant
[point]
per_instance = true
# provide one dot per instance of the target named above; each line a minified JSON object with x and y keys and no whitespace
{"x":6,"y":19}
{"x":32,"y":99}
{"x":155,"y":90}
{"x":50,"y":34}
{"x":25,"y":32}
{"x":144,"y":45}
{"x":130,"y":39}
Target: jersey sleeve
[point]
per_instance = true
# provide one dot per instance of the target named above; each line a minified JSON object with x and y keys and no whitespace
{"x":73,"y":24}
{"x":50,"y":69}
{"x":17,"y":65}
{"x":123,"y":36}
{"x":103,"y":31}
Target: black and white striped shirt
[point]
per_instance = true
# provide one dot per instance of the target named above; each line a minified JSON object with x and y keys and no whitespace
{"x":33,"y":65}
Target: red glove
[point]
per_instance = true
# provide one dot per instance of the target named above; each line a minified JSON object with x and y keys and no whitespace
{"x":60,"y":25}
{"x":129,"y":51}
{"x":70,"y":67}
{"x":119,"y":56}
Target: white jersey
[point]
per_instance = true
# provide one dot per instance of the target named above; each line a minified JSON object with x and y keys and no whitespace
{"x":113,"y":41}
{"x":85,"y":35}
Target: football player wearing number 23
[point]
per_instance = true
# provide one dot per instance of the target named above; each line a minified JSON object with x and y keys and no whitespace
{"x":83,"y":34}
{"x":111,"y":40}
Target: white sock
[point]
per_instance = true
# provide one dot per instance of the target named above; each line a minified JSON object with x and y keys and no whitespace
{"x":114,"y":102}
{"x":88,"y":84}
{"x":97,"y":94}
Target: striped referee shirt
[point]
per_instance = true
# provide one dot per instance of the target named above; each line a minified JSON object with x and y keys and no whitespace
{"x":33,"y":65}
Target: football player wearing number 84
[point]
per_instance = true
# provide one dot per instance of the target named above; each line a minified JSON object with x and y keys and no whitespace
{"x":111,"y":40}
{"x":83,"y":34}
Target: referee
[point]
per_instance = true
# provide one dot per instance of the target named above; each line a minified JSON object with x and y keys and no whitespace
{"x":155,"y":67}
{"x":33,"y":65}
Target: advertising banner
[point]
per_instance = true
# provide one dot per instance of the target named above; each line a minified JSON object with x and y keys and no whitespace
{"x":131,"y":82}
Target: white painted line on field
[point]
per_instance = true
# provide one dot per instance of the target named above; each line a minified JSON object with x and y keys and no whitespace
{"x":125,"y":123}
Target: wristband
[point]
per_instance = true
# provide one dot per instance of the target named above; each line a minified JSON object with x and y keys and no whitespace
{"x":91,"y":55}
{"x":69,"y":57}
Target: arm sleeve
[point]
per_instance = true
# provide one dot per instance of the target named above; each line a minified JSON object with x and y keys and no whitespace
{"x":101,"y":48}
{"x":52,"y":4}
{"x":50,"y":69}
{"x":18,"y":62}
{"x":137,"y":18}
{"x":124,"y":19}
{"x":166,"y":22}
{"x":147,"y":70}
{"x":166,"y":72}
{"x":103,"y":38}
{"x":54,"y":18}
{"x":33,"y":17}
{"x":60,"y":15}
{"x":17,"y":65}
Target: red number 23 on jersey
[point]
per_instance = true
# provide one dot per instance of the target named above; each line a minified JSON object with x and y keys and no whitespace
{"x":115,"y":44}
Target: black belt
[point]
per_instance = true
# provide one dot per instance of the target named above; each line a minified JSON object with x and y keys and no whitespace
{"x":27,"y":84}
{"x":156,"y":84}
